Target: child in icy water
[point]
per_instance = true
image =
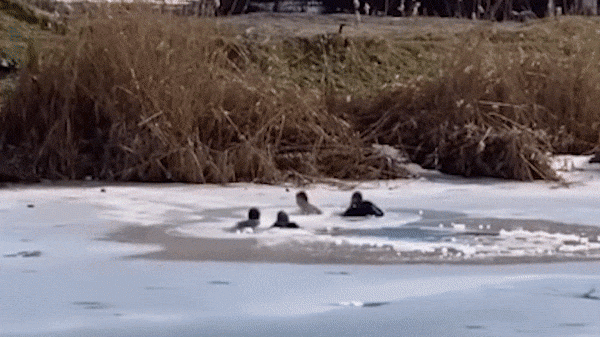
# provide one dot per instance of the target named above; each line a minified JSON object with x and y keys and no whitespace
{"x":360,"y":207}
{"x":284,"y":222}
{"x":305,"y":207}
{"x":252,"y":222}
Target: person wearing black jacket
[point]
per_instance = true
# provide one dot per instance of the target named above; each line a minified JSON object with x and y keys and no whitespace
{"x":284,"y":222}
{"x":360,"y":207}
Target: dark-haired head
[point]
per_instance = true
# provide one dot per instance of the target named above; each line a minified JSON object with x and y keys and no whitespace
{"x":302,"y":196}
{"x":356,"y":197}
{"x":282,"y":217}
{"x":253,"y":214}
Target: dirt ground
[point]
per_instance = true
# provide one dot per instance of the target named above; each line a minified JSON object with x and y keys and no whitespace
{"x":298,"y":24}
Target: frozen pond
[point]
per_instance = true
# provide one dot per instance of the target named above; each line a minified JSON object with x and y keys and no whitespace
{"x":154,"y":260}
{"x":144,"y":298}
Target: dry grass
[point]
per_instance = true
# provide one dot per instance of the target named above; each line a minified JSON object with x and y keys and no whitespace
{"x":502,"y":102}
{"x":132,"y":95}
{"x":138,"y":96}
{"x":350,"y":65}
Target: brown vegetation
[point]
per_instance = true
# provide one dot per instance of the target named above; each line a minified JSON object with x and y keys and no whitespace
{"x":154,"y":98}
{"x":139,"y":96}
{"x":498,"y":109}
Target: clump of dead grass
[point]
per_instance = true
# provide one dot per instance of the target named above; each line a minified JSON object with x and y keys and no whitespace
{"x":137,"y":96}
{"x":497,"y":109}
{"x":357,"y":65}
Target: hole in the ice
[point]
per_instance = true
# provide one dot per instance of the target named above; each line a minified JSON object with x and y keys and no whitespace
{"x":475,"y":327}
{"x":337,"y":273}
{"x":92,"y":305}
{"x":219,"y":283}
{"x":429,"y":214}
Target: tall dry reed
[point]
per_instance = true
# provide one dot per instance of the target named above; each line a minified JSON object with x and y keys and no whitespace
{"x":133,"y":95}
{"x":139,"y":96}
{"x":502,"y":103}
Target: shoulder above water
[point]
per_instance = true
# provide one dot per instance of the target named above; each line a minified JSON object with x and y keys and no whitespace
{"x":306,"y":208}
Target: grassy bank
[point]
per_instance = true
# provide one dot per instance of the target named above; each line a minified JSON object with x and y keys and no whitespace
{"x":132,"y":95}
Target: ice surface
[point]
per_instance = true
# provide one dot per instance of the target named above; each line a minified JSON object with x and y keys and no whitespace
{"x":82,"y":286}
{"x":140,"y":297}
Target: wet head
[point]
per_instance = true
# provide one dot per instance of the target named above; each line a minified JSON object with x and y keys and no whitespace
{"x":252,"y":222}
{"x":301,"y":198}
{"x":282,"y":217}
{"x":360,"y":207}
{"x":283,"y":221}
{"x":253,"y":214}
{"x":356,"y":199}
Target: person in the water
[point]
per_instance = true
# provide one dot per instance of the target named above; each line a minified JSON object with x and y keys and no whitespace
{"x":252,"y":222}
{"x":284,"y":222}
{"x":305,"y":207}
{"x":360,"y":207}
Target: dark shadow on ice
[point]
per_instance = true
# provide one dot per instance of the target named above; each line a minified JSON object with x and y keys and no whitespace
{"x":35,"y":253}
{"x":475,"y":327}
{"x":374,"y":304}
{"x":360,"y":304}
{"x":590,"y":295}
{"x":573,"y":325}
{"x":220,"y":283}
{"x":92,"y":305}
{"x":337,"y":273}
